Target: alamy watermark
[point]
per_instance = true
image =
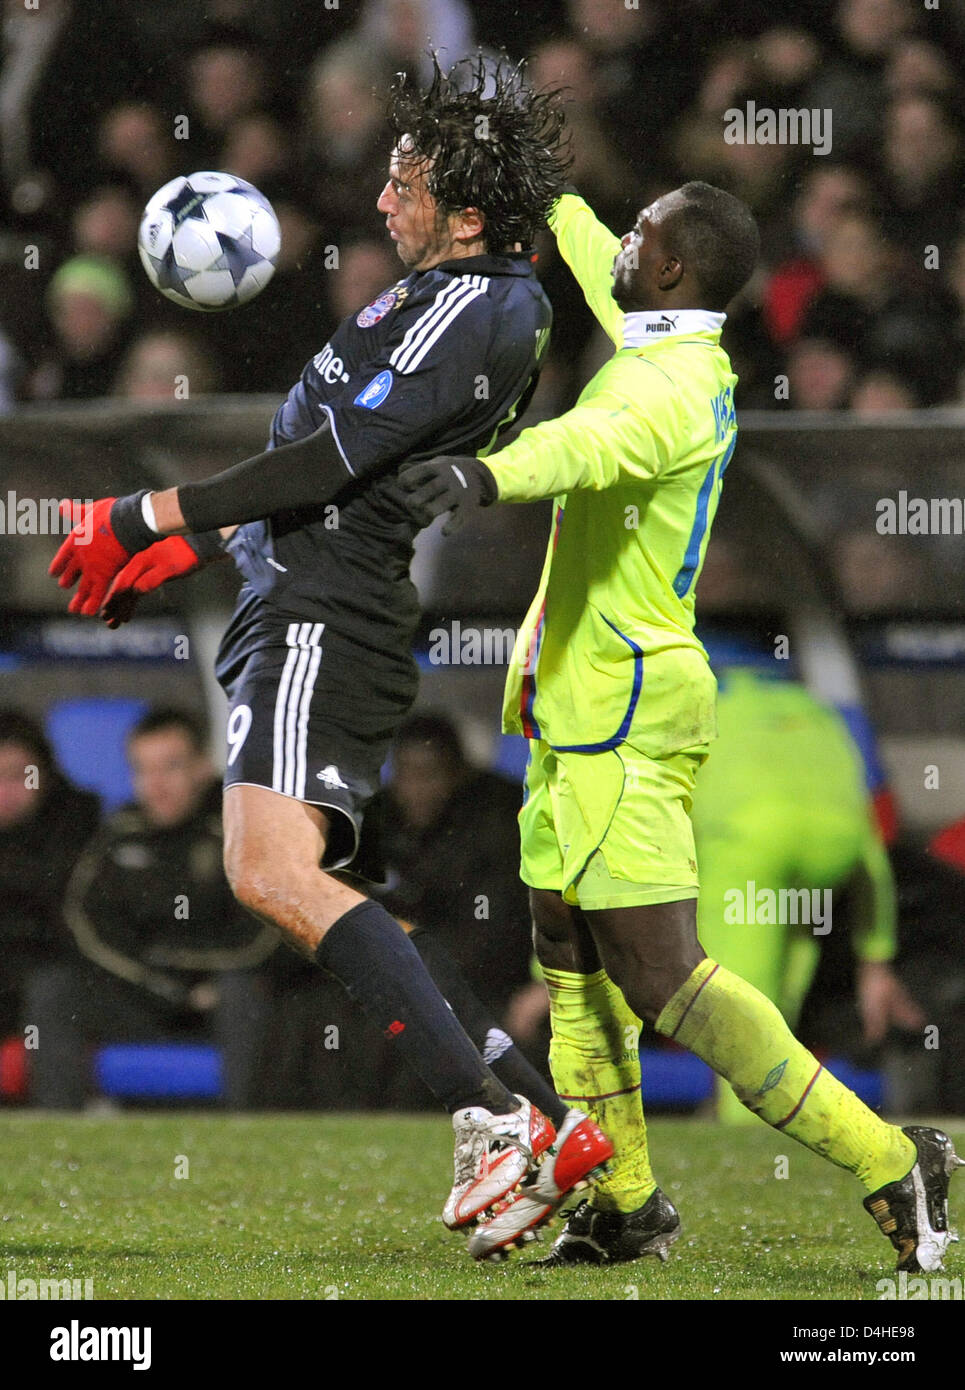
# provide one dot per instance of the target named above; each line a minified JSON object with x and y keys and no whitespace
{"x":45,"y":516}
{"x":457,"y":645}
{"x":762,"y":125}
{"x":29,"y":1290}
{"x":753,"y":906}
{"x":918,"y":1289}
{"x":920,"y":516}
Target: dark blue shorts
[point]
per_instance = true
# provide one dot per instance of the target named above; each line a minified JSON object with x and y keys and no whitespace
{"x":312,"y":716}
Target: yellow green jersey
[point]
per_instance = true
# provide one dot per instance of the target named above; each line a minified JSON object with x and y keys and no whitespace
{"x":607,"y":653}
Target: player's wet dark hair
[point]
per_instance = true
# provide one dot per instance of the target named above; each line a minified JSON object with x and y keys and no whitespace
{"x":495,"y":144}
{"x":716,"y":237}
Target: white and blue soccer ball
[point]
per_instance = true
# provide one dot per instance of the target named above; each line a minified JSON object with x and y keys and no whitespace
{"x":209,"y":241}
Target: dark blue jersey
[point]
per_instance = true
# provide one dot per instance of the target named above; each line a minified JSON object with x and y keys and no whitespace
{"x":437,"y":364}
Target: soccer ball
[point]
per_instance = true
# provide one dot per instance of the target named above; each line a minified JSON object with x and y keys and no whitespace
{"x":209,"y":241}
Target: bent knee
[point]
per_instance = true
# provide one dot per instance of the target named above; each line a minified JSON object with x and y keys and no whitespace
{"x":252,"y":878}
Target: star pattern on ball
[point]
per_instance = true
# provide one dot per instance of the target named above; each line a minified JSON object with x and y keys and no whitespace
{"x":238,"y":254}
{"x":180,"y":206}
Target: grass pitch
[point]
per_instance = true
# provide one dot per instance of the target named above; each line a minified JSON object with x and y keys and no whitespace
{"x":347,"y":1207}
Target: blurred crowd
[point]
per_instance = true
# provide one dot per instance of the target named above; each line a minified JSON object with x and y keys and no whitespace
{"x":859,"y":302}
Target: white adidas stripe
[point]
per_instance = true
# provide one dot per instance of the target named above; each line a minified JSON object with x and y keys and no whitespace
{"x":447,"y":305}
{"x":292,"y":705}
{"x":424,"y":323}
{"x":453,"y":312}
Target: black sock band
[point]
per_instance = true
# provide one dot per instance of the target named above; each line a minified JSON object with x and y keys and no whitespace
{"x":371,"y":956}
{"x":498,"y":1049}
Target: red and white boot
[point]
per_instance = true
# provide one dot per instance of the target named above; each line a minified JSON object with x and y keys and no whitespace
{"x":493,"y":1155}
{"x":575,"y":1160}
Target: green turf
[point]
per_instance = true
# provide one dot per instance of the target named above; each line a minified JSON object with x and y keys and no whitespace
{"x":347,"y":1206}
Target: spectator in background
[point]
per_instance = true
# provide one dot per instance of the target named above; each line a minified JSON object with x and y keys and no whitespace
{"x":105,"y":222}
{"x":365,"y":269}
{"x":168,"y":952}
{"x":45,"y":823}
{"x":134,"y":140}
{"x":826,"y":194}
{"x":923,"y":163}
{"x":166,"y":366}
{"x":89,"y":304}
{"x":880,"y":574}
{"x":917,"y":66}
{"x":398,"y":34}
{"x":258,"y":148}
{"x":61,"y":63}
{"x":879,"y":390}
{"x":226,"y":81}
{"x":344,"y":148}
{"x":884,"y":308}
{"x":643,"y":75}
{"x":451,"y":848}
{"x":851,"y":82}
{"x":820,"y":374}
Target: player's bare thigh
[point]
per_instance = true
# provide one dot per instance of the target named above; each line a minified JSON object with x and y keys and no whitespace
{"x":273,"y":846}
{"x":560,"y":934}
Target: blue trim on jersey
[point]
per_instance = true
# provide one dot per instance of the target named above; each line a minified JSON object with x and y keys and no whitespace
{"x":685,"y":575}
{"x":624,"y":728}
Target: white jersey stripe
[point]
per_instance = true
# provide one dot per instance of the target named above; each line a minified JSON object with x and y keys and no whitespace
{"x":424,"y":322}
{"x":455,"y":294}
{"x":453,"y":312}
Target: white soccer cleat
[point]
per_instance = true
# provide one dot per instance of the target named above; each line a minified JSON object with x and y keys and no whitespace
{"x":493,"y":1154}
{"x":573,"y":1161}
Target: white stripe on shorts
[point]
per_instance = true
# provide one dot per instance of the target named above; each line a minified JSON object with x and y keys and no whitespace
{"x":292,"y":704}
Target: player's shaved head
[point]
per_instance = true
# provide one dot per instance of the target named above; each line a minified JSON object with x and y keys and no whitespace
{"x":693,"y":248}
{"x":716,"y":237}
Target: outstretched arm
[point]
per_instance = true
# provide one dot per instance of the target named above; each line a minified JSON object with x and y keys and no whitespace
{"x":308,"y":472}
{"x":589,"y":248}
{"x":605,"y":440}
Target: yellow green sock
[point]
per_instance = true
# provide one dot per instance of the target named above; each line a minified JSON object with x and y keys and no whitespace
{"x":742,"y":1035}
{"x":595,"y":1061}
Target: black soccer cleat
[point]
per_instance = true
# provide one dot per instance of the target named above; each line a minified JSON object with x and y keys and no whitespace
{"x":612,"y":1237}
{"x":913,"y":1212}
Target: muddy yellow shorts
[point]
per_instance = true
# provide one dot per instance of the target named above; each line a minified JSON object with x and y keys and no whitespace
{"x":610,"y":829}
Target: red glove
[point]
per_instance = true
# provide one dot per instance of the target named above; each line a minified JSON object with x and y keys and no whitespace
{"x":91,"y":553}
{"x":147,"y":570}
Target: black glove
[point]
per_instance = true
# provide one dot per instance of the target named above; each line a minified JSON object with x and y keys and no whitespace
{"x":448,"y":484}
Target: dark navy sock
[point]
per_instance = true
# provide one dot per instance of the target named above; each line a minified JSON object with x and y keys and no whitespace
{"x":371,"y":956}
{"x":496,"y":1046}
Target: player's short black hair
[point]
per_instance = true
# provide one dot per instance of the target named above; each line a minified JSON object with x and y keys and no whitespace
{"x":495,"y":144}
{"x":716,"y":238}
{"x":169,"y":717}
{"x":431,"y":729}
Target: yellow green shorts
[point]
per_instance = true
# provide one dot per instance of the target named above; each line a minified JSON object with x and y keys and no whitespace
{"x":610,"y":829}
